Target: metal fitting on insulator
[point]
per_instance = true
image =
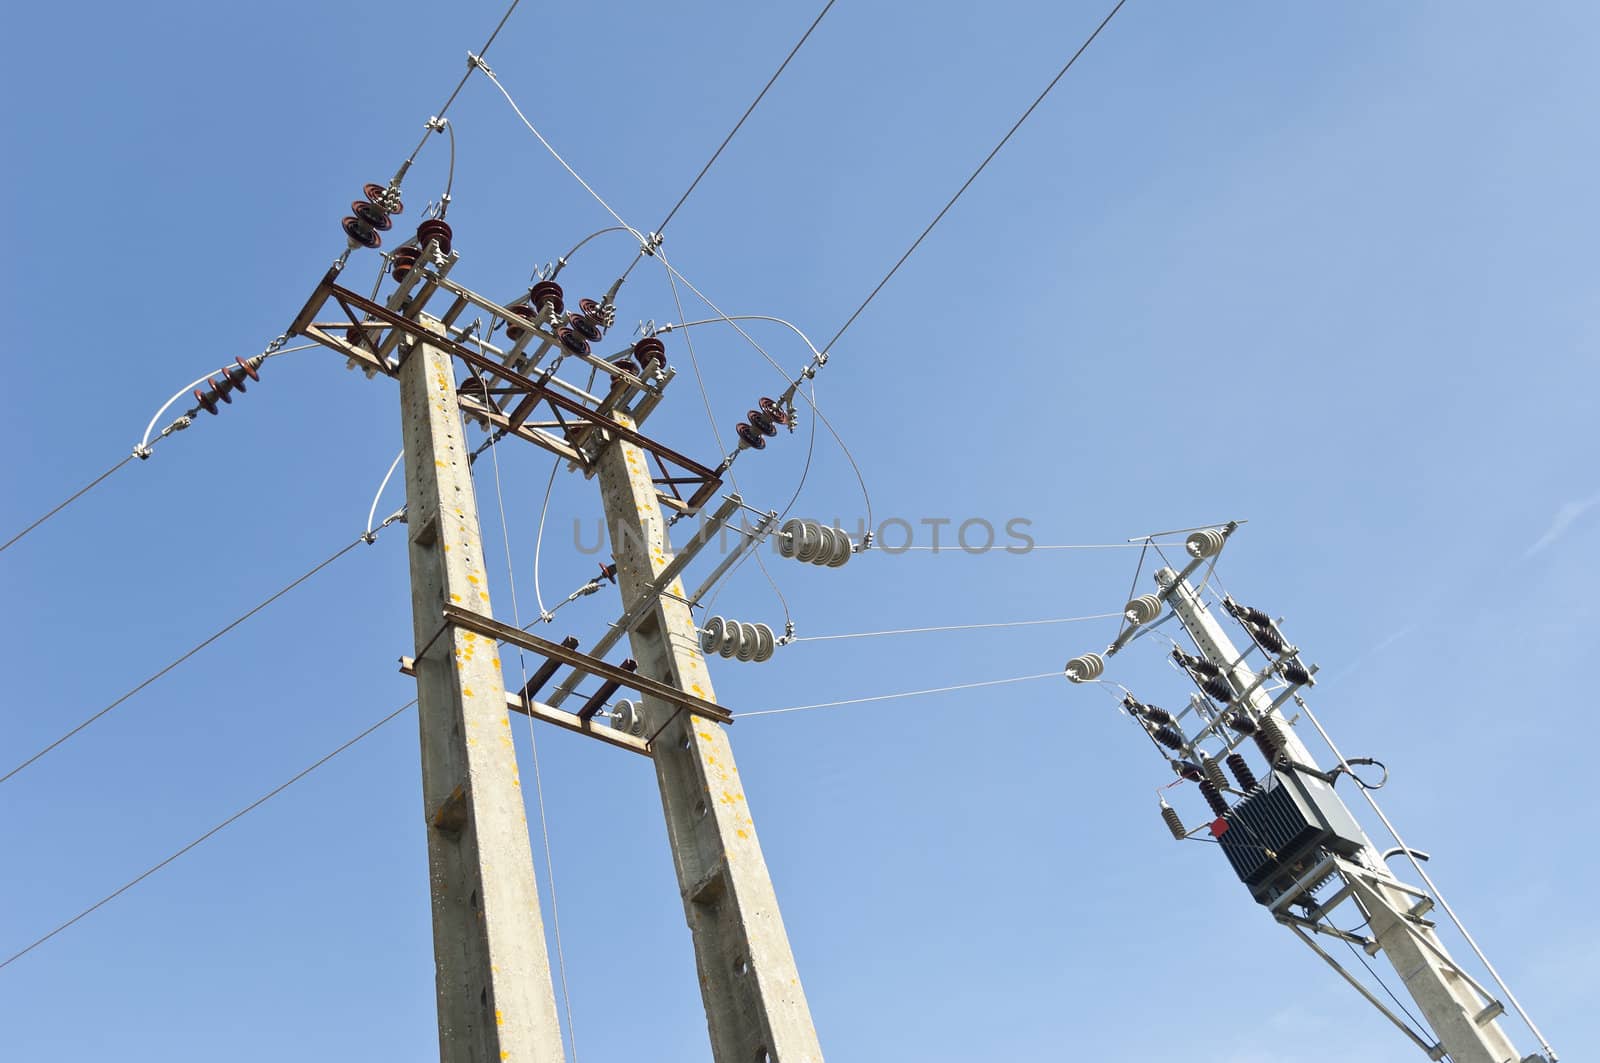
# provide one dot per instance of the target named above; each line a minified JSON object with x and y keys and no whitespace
{"x":650,"y":349}
{"x":1142,"y":609}
{"x":1214,"y":798}
{"x":1082,"y":669}
{"x":815,"y":543}
{"x":1213,"y":772}
{"x":1241,"y":771}
{"x":546,"y":296}
{"x":1188,"y":769}
{"x":628,"y":718}
{"x":368,"y":217}
{"x":1203,"y":544}
{"x":734,"y":638}
{"x":436,"y":230}
{"x":1169,"y":816}
{"x":608,"y":688}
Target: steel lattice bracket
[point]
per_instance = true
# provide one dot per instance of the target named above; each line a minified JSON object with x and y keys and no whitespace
{"x":504,"y":396}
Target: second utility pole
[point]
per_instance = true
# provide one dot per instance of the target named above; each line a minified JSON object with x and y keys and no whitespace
{"x":755,"y":1007}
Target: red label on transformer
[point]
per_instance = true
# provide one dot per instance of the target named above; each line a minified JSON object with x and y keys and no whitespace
{"x":1219,"y":827}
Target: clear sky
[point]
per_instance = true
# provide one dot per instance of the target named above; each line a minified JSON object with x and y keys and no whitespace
{"x":1328,"y":267}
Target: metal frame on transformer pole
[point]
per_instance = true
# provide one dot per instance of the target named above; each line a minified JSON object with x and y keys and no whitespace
{"x":496,"y":999}
{"x":1289,"y":835}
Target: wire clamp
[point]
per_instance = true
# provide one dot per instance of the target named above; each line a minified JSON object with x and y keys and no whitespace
{"x":651,"y":244}
{"x":435,"y":124}
{"x":476,"y":61}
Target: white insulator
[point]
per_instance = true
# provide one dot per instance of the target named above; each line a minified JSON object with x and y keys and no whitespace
{"x":765,"y":643}
{"x":841,"y":549}
{"x":732,"y":637}
{"x":789,"y":537}
{"x":711,"y":635}
{"x":737,"y":639}
{"x":748,"y":642}
{"x":1205,"y":543}
{"x":1082,"y":669}
{"x":627,"y":718}
{"x":815,"y":543}
{"x":1142,"y":609}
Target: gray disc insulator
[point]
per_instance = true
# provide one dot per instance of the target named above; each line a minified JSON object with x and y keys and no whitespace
{"x":814,"y":543}
{"x":736,"y":639}
{"x":627,"y":718}
{"x":1205,"y":543}
{"x":1142,"y":609}
{"x":1082,"y":669}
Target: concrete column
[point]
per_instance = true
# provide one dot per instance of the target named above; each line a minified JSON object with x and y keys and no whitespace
{"x":496,"y":1001}
{"x":755,"y":1007}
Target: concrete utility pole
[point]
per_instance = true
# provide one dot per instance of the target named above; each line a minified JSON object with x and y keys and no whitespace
{"x":1462,"y":1015}
{"x":496,"y":1001}
{"x":755,"y":1007}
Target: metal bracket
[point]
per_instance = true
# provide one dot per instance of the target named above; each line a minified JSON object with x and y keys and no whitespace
{"x":584,"y":663}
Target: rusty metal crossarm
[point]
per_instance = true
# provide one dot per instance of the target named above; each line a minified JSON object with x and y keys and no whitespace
{"x":585,"y":663}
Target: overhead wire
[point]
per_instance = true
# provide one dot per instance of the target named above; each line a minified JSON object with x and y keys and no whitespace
{"x":142,"y":450}
{"x":208,"y":640}
{"x":903,"y":694}
{"x":954,"y":627}
{"x":474,"y":62}
{"x":715,"y":155}
{"x":974,"y":176}
{"x":246,"y":810}
{"x":79,"y":493}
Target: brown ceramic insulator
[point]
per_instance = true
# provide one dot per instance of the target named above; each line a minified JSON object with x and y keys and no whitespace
{"x":572,"y":342}
{"x":515,"y":331}
{"x":773,"y":410}
{"x":383,"y":197}
{"x":434,"y":229}
{"x":360,"y":233}
{"x":761,"y":423}
{"x":750,"y":437}
{"x":372,"y":214}
{"x":585,"y":328}
{"x":403,"y":259}
{"x":547,"y":292}
{"x":650,"y":348}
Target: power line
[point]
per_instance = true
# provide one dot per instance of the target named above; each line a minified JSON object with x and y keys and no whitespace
{"x":740,"y":123}
{"x":73,"y":498}
{"x":251,"y":807}
{"x":191,"y":652}
{"x":954,"y":627}
{"x":903,"y":694}
{"x":946,"y":209}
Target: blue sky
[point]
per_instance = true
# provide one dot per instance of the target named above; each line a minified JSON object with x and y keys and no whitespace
{"x":1326,"y":267}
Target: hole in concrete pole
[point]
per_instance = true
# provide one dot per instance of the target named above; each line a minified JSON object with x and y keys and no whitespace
{"x":700,"y":809}
{"x":742,"y":965}
{"x":762,"y":1055}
